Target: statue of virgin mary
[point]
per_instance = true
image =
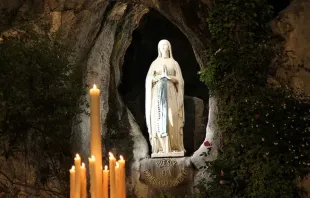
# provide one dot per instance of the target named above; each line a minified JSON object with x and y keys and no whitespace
{"x":164,"y":104}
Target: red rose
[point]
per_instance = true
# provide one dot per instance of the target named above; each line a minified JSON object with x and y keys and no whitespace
{"x":207,"y":143}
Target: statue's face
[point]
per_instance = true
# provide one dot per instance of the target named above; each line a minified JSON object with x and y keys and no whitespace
{"x":164,"y":49}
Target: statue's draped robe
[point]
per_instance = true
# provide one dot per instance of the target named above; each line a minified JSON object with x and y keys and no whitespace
{"x":175,"y":107}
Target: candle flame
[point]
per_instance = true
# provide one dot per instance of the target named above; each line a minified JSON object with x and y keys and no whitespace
{"x":105,"y":167}
{"x":121,"y":157}
{"x":83,"y":165}
{"x":72,"y":168}
{"x":77,"y":156}
{"x":94,"y":87}
{"x":92,"y":158}
{"x":117,"y":165}
{"x":111,"y":155}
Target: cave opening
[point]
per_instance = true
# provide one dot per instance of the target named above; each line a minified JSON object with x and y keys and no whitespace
{"x":142,"y":51}
{"x":279,"y":5}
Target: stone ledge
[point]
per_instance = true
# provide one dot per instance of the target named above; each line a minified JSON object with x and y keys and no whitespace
{"x":163,"y":155}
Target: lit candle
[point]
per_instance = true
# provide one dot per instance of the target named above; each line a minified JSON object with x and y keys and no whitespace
{"x":83,"y":181}
{"x":72,"y":181}
{"x":92,"y":171}
{"x":112,"y":162}
{"x":77,"y":164}
{"x":118,"y":192}
{"x":95,"y":144}
{"x":105,"y":187}
{"x":122,"y":184}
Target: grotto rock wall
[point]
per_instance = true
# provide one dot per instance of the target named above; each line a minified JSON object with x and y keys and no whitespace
{"x":293,"y":25}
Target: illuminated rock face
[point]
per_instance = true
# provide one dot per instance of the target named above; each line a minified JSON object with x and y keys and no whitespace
{"x":292,"y":25}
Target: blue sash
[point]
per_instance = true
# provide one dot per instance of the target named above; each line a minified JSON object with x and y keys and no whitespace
{"x":163,"y":106}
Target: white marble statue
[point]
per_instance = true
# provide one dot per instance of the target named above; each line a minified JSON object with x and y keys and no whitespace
{"x":164,"y":104}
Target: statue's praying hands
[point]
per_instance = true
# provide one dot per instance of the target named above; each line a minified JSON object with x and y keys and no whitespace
{"x":163,"y":74}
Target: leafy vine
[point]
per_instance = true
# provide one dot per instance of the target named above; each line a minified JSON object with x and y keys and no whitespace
{"x":265,"y":126}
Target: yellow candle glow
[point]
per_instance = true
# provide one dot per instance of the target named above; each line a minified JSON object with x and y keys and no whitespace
{"x":112,"y":162}
{"x":122,"y":183}
{"x":105,"y":187}
{"x":118,"y":192}
{"x":83,"y":181}
{"x":77,"y":164}
{"x":95,"y":144}
{"x":92,"y":171}
{"x":72,"y":181}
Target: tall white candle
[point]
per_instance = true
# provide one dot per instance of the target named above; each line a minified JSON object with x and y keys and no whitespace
{"x":83,"y":181}
{"x":95,"y":144}
{"x":105,"y":187}
{"x":92,"y":171}
{"x":118,"y":189}
{"x":77,"y":164}
{"x":122,"y":184}
{"x":72,"y":182}
{"x":112,"y":162}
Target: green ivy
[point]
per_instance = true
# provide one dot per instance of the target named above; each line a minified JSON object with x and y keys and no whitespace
{"x":40,"y":96}
{"x":265,"y":127}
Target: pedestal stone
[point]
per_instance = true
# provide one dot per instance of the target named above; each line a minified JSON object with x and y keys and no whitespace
{"x":167,"y":176}
{"x":172,"y":154}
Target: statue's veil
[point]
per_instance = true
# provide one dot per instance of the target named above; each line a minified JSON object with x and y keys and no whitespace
{"x":169,"y":47}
